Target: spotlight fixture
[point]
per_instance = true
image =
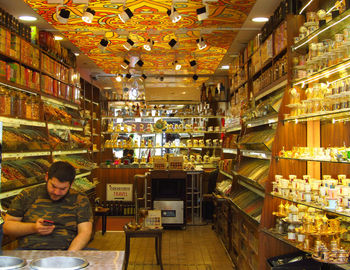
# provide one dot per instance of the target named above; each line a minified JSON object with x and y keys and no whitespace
{"x":203,"y":13}
{"x":128,"y":75}
{"x":118,"y":78}
{"x":62,"y":15}
{"x":172,"y":43}
{"x":195,"y":77}
{"x":177,"y":65}
{"x":103,"y":44}
{"x":128,"y":44}
{"x":174,"y":15}
{"x":58,"y":38}
{"x":149,"y":44}
{"x":260,"y":19}
{"x":139,"y":63}
{"x":125,"y":64}
{"x":143,"y":76}
{"x":88,"y":15}
{"x":125,"y":15}
{"x":193,"y":63}
{"x":201,"y":43}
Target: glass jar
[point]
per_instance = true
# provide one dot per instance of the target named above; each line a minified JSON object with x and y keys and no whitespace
{"x":13,"y":104}
{"x":35,"y":108}
{"x":22,"y":98}
{"x":29,"y":108}
{"x":4,"y":102}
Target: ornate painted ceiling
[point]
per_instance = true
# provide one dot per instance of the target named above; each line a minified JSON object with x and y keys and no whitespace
{"x":150,"y":20}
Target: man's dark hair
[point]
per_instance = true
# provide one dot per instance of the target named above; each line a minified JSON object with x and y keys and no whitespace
{"x":63,"y":171}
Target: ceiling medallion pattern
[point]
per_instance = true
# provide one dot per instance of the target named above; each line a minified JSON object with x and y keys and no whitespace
{"x":150,"y":20}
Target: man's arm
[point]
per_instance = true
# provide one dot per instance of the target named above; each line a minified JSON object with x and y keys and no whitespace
{"x":14,"y":226}
{"x":83,"y":236}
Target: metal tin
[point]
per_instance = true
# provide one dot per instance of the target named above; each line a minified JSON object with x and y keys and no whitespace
{"x":59,"y":262}
{"x":10,"y":262}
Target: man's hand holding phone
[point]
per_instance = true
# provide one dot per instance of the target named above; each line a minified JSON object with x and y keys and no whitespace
{"x":44,"y":226}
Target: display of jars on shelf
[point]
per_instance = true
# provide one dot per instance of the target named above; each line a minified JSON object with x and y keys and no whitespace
{"x":328,"y":193}
{"x":312,"y":231}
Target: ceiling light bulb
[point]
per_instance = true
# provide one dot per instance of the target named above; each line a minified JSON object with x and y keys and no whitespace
{"x":58,"y":37}
{"x":128,"y":44}
{"x":125,"y":64}
{"x":149,"y":44}
{"x":118,"y":78}
{"x":76,"y":54}
{"x":177,"y":65}
{"x":62,"y":15}
{"x":88,"y":15}
{"x":201,"y":43}
{"x":174,"y":15}
{"x":260,"y":19}
{"x":203,"y":13}
{"x":125,"y":15}
{"x":27,"y":18}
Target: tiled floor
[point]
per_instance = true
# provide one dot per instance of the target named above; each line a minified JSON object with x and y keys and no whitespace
{"x":195,"y":248}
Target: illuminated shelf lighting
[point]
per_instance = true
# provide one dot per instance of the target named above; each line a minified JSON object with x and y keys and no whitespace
{"x":59,"y":126}
{"x":25,"y":154}
{"x":12,"y":193}
{"x":69,"y":152}
{"x":16,"y":122}
{"x":55,"y":101}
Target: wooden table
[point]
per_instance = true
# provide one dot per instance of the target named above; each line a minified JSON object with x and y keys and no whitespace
{"x":98,"y":260}
{"x":143,"y":233}
{"x":102,"y":212}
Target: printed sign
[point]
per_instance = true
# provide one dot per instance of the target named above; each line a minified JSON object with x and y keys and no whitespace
{"x":119,"y":192}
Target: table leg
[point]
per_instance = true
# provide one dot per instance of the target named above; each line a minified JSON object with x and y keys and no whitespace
{"x":156,"y":248}
{"x":127,"y":252}
{"x":160,"y":251}
{"x":104,"y":224}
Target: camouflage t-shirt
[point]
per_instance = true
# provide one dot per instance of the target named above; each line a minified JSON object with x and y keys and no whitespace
{"x":66,"y":213}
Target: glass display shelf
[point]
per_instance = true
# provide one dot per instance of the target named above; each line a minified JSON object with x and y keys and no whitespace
{"x":80,"y":175}
{"x":326,"y":115}
{"x":165,"y":117}
{"x":69,"y":152}
{"x":249,"y":184}
{"x":256,"y":154}
{"x":191,"y":132}
{"x":340,"y":212}
{"x":11,"y":193}
{"x":315,"y":160}
{"x":25,"y":154}
{"x":262,"y":121}
{"x":66,"y":127}
{"x":226,"y":174}
{"x":274,"y":86}
{"x":233,"y":128}
{"x":58,"y":101}
{"x":324,"y":32}
{"x":242,"y":211}
{"x":170,"y":147}
{"x":10,"y":122}
{"x":229,"y":151}
{"x":323,"y":73}
{"x":18,"y":87}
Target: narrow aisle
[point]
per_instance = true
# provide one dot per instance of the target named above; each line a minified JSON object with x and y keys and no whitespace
{"x":196,"y":248}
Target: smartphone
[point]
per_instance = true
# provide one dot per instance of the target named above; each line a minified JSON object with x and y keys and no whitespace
{"x":48,"y":222}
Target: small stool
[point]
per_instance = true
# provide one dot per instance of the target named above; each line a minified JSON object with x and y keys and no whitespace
{"x":156,"y":233}
{"x":102,"y":212}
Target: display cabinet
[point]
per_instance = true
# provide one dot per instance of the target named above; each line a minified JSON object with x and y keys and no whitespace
{"x":309,"y":165}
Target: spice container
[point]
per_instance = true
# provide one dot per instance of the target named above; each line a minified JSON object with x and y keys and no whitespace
{"x":13,"y":103}
{"x":29,"y":102}
{"x":21,"y":105}
{"x":4,"y":102}
{"x":35,"y":108}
